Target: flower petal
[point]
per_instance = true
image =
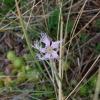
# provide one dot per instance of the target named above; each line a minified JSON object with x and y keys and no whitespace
{"x":42,"y":50}
{"x":45,"y":39}
{"x":37,"y":45}
{"x":38,"y":56}
{"x":54,"y":55}
{"x":55,"y":45}
{"x":47,"y":56}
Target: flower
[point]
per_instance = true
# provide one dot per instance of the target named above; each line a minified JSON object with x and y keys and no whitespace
{"x":50,"y":49}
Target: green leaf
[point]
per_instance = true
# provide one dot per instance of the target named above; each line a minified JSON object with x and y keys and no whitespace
{"x":84,"y":90}
{"x":33,"y":75}
{"x":18,"y":62}
{"x":98,"y":47}
{"x":7,"y":6}
{"x":83,"y":37}
{"x":53,"y":21}
{"x":9,"y":2}
{"x":69,"y":25}
{"x":11,"y":55}
{"x":97,"y":23}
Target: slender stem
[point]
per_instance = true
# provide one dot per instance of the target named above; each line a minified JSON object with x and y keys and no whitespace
{"x":23,"y":28}
{"x":97,"y":89}
{"x":60,"y":61}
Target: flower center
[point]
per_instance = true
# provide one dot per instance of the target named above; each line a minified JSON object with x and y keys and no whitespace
{"x":49,"y":49}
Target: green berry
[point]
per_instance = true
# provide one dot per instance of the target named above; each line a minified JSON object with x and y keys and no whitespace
{"x":27,"y":68}
{"x":18,"y":62}
{"x":11,"y":55}
{"x":21,"y":77}
{"x":33,"y":75}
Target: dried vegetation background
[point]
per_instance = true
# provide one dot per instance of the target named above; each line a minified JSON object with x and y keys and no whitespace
{"x":42,"y":15}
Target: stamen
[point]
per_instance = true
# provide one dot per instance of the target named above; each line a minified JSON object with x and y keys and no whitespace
{"x":49,"y":49}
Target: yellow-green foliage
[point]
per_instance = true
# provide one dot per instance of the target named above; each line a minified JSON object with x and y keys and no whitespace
{"x":20,"y":70}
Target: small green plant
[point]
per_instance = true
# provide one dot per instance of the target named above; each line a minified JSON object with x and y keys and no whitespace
{"x":18,"y":62}
{"x":9,"y":2}
{"x":69,"y":25}
{"x":53,"y":22}
{"x":7,"y":6}
{"x":83,"y":37}
{"x":89,"y":87}
{"x":21,"y":77}
{"x":84,"y":90}
{"x":97,"y":23}
{"x":98,"y":47}
{"x":19,"y":70}
{"x":11,"y":56}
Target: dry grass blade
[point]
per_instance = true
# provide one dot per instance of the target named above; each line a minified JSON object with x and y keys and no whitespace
{"x":83,"y":78}
{"x":83,"y":28}
{"x":76,"y":23}
{"x":23,"y":28}
{"x":97,"y":89}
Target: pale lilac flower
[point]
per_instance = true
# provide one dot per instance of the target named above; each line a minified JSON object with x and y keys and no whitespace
{"x":50,"y":49}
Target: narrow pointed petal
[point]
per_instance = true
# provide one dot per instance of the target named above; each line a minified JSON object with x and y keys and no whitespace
{"x":38,"y":56}
{"x":45,"y":39}
{"x":55,"y":45}
{"x":42,"y":50}
{"x":47,"y":56}
{"x":54,"y":55}
{"x":37,"y":45}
